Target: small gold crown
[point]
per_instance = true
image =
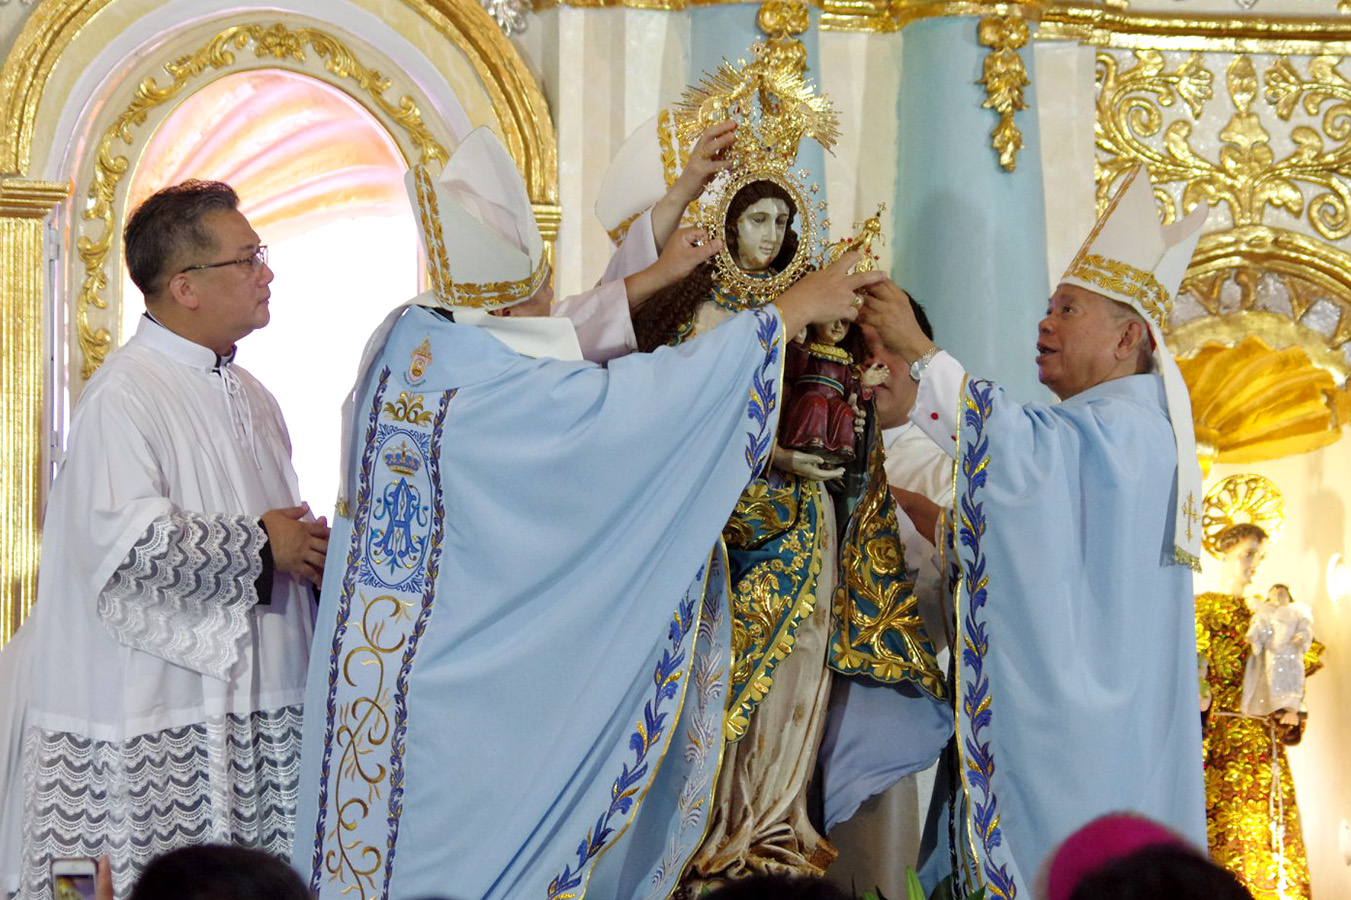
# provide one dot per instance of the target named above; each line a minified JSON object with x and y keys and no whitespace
{"x":868,"y":231}
{"x":402,"y":461}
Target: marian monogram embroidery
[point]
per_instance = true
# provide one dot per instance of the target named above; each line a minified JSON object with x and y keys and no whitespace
{"x":383,"y":610}
{"x":397,"y":542}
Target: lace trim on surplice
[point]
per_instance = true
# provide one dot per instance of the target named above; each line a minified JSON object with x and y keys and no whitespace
{"x":231,"y":779}
{"x":184,"y":591}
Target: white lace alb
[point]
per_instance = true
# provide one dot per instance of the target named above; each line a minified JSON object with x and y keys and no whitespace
{"x":231,"y":779}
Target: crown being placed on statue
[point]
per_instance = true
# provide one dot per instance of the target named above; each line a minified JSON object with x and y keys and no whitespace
{"x":403,"y":461}
{"x":773,"y":106}
{"x":775,"y":109}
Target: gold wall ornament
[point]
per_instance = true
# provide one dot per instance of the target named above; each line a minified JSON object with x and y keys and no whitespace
{"x":1120,"y":27}
{"x":1246,"y":175}
{"x":1290,"y":285}
{"x":870,"y":16}
{"x":781,"y":20}
{"x":278,"y":46}
{"x":1242,"y":499}
{"x":24,"y":207}
{"x":1292,"y":289}
{"x":1004,"y":78}
{"x":1252,"y":403}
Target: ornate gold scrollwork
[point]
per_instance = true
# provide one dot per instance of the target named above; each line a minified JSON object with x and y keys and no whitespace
{"x":1291,"y":285}
{"x":1004,"y":78}
{"x":1247,"y":177}
{"x":782,"y":20}
{"x":275,"y":43}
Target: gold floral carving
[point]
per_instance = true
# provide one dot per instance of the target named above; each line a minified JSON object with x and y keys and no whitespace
{"x":1004,"y":77}
{"x":1247,"y":176}
{"x":276,"y":44}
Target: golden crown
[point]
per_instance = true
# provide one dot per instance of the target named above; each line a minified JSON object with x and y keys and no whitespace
{"x":775,"y":108}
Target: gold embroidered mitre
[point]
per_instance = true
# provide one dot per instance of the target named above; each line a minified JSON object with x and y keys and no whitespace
{"x":1130,"y":258}
{"x":483,"y":245}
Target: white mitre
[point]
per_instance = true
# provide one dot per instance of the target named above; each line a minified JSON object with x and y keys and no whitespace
{"x":648,"y":162}
{"x":484,"y":250}
{"x":1129,"y":258}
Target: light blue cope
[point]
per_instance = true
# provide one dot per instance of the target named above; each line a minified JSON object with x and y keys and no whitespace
{"x":523,"y":645}
{"x":1076,"y":683}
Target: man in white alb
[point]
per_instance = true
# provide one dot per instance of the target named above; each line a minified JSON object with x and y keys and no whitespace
{"x":158,"y":682}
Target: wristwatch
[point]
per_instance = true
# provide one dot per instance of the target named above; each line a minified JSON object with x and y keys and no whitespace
{"x":918,"y":366}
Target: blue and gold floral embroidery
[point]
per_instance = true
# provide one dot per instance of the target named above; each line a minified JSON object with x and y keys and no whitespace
{"x":764,"y":398}
{"x":975,"y":693}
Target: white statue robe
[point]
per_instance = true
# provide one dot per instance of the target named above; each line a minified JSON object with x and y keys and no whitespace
{"x":524,"y":640}
{"x":1076,"y":687}
{"x":160,"y":703}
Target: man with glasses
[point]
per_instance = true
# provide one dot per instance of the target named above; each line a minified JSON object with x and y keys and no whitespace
{"x":161,"y":673}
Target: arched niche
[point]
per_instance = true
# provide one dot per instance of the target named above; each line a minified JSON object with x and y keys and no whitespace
{"x":82,"y":93}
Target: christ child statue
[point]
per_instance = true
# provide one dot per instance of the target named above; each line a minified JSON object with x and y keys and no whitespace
{"x":1279,"y":636}
{"x":822,"y":414}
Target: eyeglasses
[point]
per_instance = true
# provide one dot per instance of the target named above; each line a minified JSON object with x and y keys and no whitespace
{"x":255,"y":261}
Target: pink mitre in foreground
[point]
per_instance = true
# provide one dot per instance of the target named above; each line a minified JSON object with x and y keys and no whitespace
{"x":1101,"y":841}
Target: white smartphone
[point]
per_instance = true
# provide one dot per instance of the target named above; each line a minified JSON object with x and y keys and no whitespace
{"x":73,"y":878}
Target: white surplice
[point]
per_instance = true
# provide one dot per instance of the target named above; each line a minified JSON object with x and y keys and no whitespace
{"x":162,"y":703}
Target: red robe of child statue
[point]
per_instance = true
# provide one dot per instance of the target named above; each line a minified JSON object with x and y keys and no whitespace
{"x":823,"y":386}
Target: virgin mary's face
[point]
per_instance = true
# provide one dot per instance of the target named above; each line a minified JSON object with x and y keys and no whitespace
{"x":759,"y":233}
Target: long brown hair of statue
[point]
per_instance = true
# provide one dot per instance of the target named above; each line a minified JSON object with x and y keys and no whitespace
{"x":660,"y":319}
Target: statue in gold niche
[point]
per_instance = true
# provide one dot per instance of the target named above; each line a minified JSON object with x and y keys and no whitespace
{"x":1252,"y":820}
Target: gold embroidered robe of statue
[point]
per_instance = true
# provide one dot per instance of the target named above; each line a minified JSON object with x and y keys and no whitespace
{"x":810,"y":595}
{"x":1242,"y":823}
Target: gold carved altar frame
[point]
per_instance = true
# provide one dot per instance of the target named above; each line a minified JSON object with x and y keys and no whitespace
{"x":89,"y":192}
